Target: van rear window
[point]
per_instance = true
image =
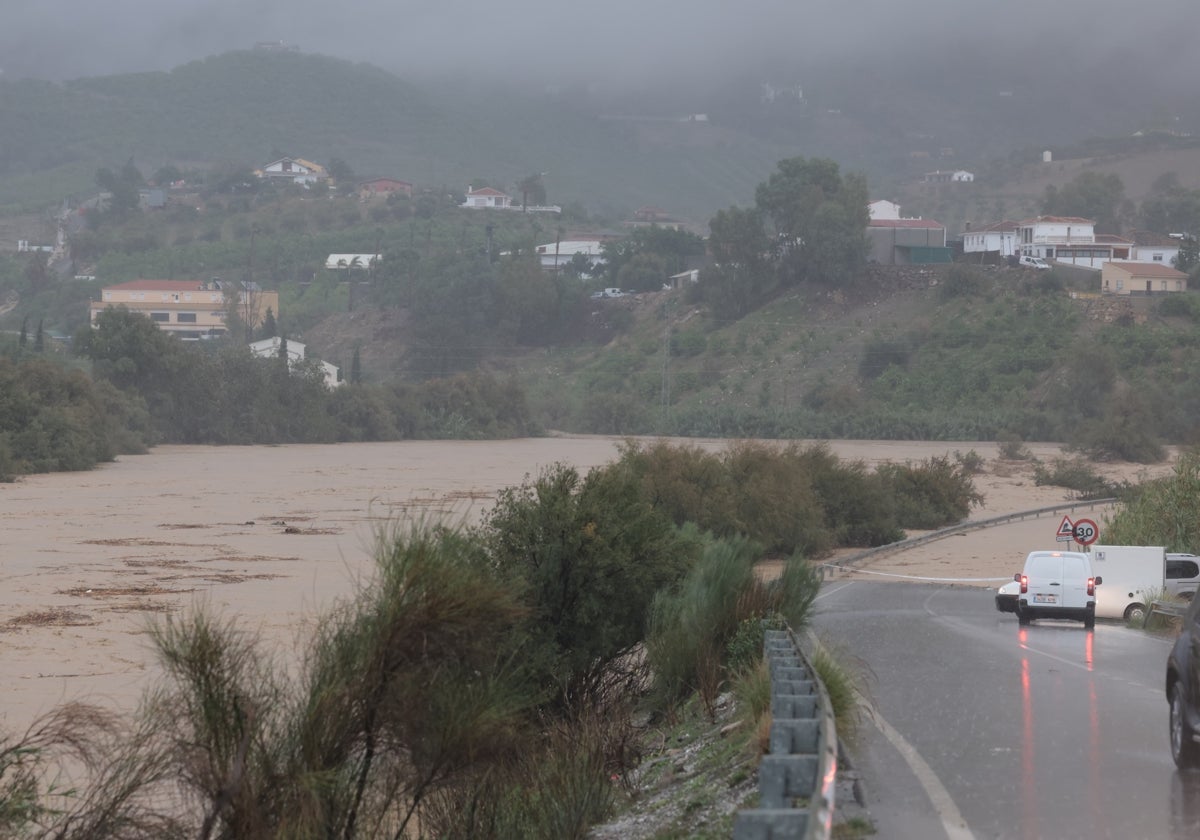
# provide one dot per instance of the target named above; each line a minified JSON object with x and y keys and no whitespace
{"x":1073,"y":567}
{"x":1044,"y":565}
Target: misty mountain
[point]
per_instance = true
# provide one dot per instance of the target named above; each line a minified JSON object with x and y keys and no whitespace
{"x":688,"y":145}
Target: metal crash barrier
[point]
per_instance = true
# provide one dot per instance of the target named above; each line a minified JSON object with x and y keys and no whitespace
{"x":796,"y":779}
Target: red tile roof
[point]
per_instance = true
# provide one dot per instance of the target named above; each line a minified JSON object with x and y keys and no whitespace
{"x":994,"y":227}
{"x":484,"y":191}
{"x":1147,"y":270}
{"x":1112,"y":239}
{"x":1148,"y":239}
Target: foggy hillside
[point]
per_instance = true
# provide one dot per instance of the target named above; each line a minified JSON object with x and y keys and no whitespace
{"x":621,"y":105}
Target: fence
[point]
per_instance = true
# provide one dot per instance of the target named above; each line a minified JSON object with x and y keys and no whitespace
{"x":796,"y":779}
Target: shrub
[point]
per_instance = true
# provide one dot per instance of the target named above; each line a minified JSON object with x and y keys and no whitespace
{"x":1124,"y":432}
{"x":1164,"y":512}
{"x":837,"y":673}
{"x":960,"y":281}
{"x":1012,"y":448}
{"x":688,"y":343}
{"x":1181,"y":306}
{"x":931,"y":494}
{"x":971,"y":462}
{"x":1078,"y":475}
{"x":589,"y":555}
{"x":882,"y":353}
{"x":710,"y":626}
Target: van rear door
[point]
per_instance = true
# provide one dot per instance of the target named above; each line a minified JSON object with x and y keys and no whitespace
{"x":1076,"y":572}
{"x":1045,"y":574}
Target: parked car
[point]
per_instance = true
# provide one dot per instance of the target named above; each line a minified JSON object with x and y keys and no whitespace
{"x":1057,"y":584}
{"x":1183,"y":691}
{"x":1006,"y":596}
{"x":1183,"y":575}
{"x":1035,"y":262}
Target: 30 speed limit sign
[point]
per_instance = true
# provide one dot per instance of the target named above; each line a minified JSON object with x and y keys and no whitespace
{"x":1086,"y":532}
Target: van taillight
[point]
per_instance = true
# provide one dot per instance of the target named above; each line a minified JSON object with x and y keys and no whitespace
{"x":1091,"y":586}
{"x":1024,"y":584}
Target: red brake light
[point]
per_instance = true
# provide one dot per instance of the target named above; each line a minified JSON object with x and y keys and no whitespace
{"x":1024,"y":584}
{"x":1091,"y":586}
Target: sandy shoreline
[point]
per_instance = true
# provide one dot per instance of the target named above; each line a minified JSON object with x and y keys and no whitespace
{"x":270,"y":536}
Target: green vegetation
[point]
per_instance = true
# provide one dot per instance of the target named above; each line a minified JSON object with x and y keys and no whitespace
{"x":482,"y":683}
{"x":1164,"y":511}
{"x":53,"y":418}
{"x":1079,"y":475}
{"x":797,"y":499}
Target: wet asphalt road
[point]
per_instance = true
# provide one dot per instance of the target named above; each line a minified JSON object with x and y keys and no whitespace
{"x":990,"y":730}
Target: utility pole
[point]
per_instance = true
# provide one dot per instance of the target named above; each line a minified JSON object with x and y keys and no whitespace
{"x":666,"y":376}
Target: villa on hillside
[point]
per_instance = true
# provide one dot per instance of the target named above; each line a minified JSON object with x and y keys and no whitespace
{"x":555,"y":254}
{"x":294,"y":170}
{"x":384,"y":186}
{"x":883,"y":209}
{"x":956,"y":176}
{"x":990,"y":243}
{"x":492,"y":199}
{"x":297,"y":353}
{"x":487,"y":197}
{"x":1132,"y":278}
{"x":1155,"y":248}
{"x":190,"y":309}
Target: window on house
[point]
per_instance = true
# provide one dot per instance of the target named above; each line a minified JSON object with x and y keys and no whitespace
{"x":161,"y":317}
{"x":186,"y":318}
{"x":1120,"y":285}
{"x":1157,"y":258}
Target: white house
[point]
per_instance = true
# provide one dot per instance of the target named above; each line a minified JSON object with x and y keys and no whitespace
{"x":347,"y":261}
{"x":956,"y":176}
{"x":296,"y":170}
{"x":555,"y":254}
{"x":999,"y":238}
{"x":487,"y":197}
{"x":1154,"y":248}
{"x":1070,"y":240}
{"x":268,"y":348}
{"x":883,"y":209}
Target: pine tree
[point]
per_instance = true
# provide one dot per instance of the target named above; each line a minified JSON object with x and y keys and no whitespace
{"x":269,"y":329}
{"x":39,"y":341}
{"x":356,"y":368}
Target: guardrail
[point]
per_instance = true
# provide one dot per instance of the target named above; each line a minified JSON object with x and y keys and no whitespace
{"x":1171,"y":609}
{"x":796,"y":779}
{"x":970,"y":525}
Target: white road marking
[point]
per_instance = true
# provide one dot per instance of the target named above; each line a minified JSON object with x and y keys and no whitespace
{"x":952,"y":819}
{"x":832,"y":591}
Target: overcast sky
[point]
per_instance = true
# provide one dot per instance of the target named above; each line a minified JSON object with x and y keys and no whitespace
{"x":616,"y":41}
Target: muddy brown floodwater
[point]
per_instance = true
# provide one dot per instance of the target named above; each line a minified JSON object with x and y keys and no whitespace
{"x":270,"y":536}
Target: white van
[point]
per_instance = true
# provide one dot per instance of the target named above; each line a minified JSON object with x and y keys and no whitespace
{"x":1057,"y":584}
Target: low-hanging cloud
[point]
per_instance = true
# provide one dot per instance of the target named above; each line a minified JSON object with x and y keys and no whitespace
{"x":621,"y":42}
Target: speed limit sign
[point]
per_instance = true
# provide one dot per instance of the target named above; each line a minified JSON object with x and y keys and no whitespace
{"x":1086,"y":532}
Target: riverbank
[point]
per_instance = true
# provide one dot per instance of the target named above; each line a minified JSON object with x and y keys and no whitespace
{"x":270,"y":536}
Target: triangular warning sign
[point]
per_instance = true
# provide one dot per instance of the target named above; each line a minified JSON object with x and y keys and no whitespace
{"x":1066,"y":528}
